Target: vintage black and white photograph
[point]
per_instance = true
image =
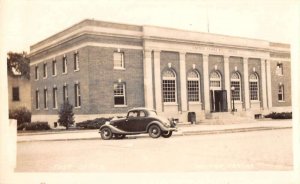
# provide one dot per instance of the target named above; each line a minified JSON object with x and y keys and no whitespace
{"x":149,"y":87}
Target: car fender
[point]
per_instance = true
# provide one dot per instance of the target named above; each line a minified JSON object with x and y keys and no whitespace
{"x":163,"y":128}
{"x":113,"y":129}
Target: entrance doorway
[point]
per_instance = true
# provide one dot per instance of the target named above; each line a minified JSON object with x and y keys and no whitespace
{"x":218,"y":100}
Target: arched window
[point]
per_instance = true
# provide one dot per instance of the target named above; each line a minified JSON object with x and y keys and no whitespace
{"x":169,"y":86}
{"x":193,"y":85}
{"x":253,"y":85}
{"x":215,"y":80}
{"x":235,"y":81}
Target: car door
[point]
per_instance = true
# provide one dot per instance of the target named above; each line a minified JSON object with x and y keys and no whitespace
{"x":141,"y":121}
{"x":131,"y":121}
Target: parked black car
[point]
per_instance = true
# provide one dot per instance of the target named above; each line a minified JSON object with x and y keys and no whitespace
{"x":138,"y":121}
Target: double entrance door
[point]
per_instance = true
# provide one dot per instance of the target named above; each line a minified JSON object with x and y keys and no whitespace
{"x":218,"y":101}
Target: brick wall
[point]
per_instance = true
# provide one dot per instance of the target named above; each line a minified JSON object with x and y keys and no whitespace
{"x":285,"y":79}
{"x":238,"y":63}
{"x":102,"y":77}
{"x":256,"y":63}
{"x":173,"y":58}
{"x":219,"y":61}
{"x":59,"y":80}
{"x":196,"y":59}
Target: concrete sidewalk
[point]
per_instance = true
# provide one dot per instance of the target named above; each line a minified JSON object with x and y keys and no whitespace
{"x":183,"y":130}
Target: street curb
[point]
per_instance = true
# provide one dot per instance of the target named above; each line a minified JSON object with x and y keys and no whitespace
{"x":185,"y":133}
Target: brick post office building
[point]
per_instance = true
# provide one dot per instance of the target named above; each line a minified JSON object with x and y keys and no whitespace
{"x":106,"y":68}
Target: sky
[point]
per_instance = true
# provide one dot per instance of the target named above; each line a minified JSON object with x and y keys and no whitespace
{"x":26,"y":22}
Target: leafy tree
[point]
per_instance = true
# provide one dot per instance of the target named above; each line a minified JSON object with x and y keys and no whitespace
{"x":18,"y":63}
{"x":66,"y":115}
{"x":21,"y":114}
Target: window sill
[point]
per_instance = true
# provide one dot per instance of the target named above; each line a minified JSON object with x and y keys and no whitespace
{"x":54,"y":75}
{"x":46,"y":109}
{"x":238,"y":102}
{"x":79,"y":107}
{"x":76,"y":70}
{"x":36,"y":79}
{"x":119,"y":68}
{"x":65,"y":73}
{"x":45,"y":77}
{"x":281,"y":101}
{"x":171,"y":103}
{"x":120,"y":105}
{"x":55,"y":108}
{"x":254,"y":101}
{"x":195,"y":103}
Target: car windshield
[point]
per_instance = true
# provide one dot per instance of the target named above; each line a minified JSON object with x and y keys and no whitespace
{"x":152,"y":113}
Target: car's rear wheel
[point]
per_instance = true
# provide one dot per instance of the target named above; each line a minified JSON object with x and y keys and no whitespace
{"x":120,"y":136}
{"x":106,"y":133}
{"x":166,"y":134}
{"x":154,"y":131}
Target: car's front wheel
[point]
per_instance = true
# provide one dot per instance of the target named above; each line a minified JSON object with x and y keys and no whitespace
{"x":106,"y":133}
{"x":154,"y":131}
{"x":166,"y":134}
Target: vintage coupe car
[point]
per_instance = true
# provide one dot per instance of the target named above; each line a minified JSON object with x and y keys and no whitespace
{"x":138,"y":121}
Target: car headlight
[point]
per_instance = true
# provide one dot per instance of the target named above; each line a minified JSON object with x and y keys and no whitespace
{"x":167,"y":124}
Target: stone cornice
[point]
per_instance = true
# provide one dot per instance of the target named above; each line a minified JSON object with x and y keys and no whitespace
{"x":159,"y":35}
{"x":72,"y":37}
{"x":230,"y":46}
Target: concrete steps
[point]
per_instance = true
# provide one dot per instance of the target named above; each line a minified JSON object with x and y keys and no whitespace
{"x":220,"y":118}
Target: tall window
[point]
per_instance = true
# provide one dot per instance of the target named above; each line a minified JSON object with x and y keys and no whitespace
{"x":45,"y":99}
{"x":36,"y":72}
{"x":45,"y":70}
{"x":193,"y":87}
{"x":65,"y":93}
{"x":76,"y":61}
{"x":15,"y":94}
{"x":253,"y":84}
{"x":280,"y":93}
{"x":77,"y":95}
{"x":54,"y":97}
{"x":54,"y":67}
{"x":64,"y":63}
{"x":119,"y":60}
{"x":215,"y":80}
{"x":169,"y":86}
{"x":279,"y":69}
{"x":37,"y":99}
{"x":119,"y":94}
{"x":236,"y":83}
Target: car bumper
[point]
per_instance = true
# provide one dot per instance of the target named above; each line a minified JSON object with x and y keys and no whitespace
{"x":170,"y":129}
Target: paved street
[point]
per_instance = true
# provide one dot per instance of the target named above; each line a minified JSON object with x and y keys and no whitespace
{"x":256,"y":150}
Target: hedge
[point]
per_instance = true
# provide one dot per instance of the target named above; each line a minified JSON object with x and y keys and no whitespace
{"x":281,"y":115}
{"x":34,"y":126}
{"x":92,"y":124}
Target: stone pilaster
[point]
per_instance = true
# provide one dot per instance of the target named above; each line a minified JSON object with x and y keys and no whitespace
{"x":269,"y":84}
{"x":264,"y":83}
{"x":148,"y":84}
{"x":157,"y":81}
{"x":206,"y":83}
{"x":227,"y":80}
{"x":183,"y":82}
{"x":246,"y":83}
